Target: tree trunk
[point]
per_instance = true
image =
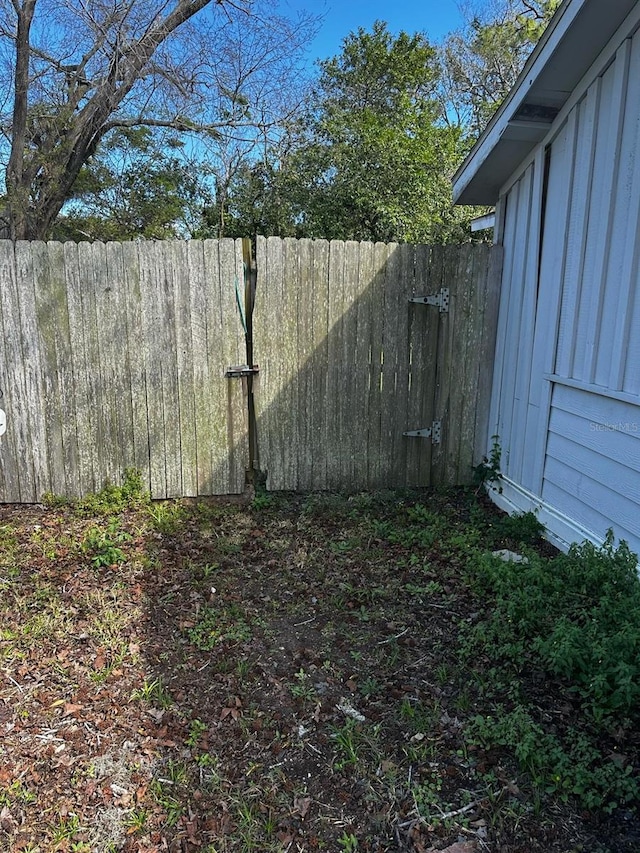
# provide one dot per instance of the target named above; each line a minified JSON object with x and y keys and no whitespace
{"x":17,"y":193}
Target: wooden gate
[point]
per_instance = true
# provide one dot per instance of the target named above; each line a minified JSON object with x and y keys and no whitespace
{"x":114,"y":357}
{"x":349,"y":364}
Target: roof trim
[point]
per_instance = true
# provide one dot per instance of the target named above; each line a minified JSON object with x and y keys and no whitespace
{"x":574,"y":39}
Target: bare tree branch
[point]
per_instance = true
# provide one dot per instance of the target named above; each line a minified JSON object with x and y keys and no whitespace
{"x":83,"y":69}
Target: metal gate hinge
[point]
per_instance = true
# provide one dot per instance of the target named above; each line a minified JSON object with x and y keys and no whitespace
{"x":241,"y":370}
{"x":441,"y":299}
{"x":434,"y":432}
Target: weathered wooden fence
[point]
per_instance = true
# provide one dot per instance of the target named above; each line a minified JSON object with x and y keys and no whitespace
{"x":348,"y":364}
{"x":114,"y":356}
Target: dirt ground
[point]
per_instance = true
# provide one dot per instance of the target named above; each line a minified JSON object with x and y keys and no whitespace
{"x":287,"y":673}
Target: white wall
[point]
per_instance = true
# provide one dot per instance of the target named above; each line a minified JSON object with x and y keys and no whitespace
{"x":566,"y":401}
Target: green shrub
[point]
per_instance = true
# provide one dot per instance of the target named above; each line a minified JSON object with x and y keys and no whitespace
{"x":579,"y":613}
{"x":573,"y":767}
{"x":112,"y":499}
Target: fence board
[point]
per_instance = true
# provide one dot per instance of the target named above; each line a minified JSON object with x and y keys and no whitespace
{"x":305,"y":377}
{"x":403,"y":291}
{"x":487,"y":352}
{"x":362,"y":363}
{"x":203,"y":382}
{"x":390,"y":344}
{"x":137,"y":392}
{"x":476,"y":288}
{"x":235,"y":350}
{"x":16,"y":480}
{"x":318,"y":362}
{"x":424,"y":325}
{"x":76,"y":339}
{"x":115,"y":341}
{"x":462,"y":363}
{"x":336,"y":400}
{"x":94,"y":439}
{"x":377,"y":290}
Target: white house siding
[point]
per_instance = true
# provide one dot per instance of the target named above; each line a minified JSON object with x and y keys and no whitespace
{"x":566,"y":401}
{"x":515,"y":327}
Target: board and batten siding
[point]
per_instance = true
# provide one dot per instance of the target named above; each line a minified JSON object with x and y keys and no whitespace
{"x":566,"y":401}
{"x":113,"y":357}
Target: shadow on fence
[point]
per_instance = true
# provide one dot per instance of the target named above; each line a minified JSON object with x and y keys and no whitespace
{"x":115,"y":356}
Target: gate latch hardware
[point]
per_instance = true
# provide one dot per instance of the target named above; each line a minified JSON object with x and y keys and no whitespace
{"x":241,"y":370}
{"x":434,"y":432}
{"x":441,"y":299}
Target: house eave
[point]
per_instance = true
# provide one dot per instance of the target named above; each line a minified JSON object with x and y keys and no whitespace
{"x":569,"y":46}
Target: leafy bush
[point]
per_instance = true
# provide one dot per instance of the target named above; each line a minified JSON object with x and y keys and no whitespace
{"x":579,"y":612}
{"x":573,"y":767}
{"x":111,"y":499}
{"x":104,"y":544}
{"x":523,"y":528}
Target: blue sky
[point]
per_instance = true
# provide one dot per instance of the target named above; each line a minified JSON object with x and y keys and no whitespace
{"x":434,"y":17}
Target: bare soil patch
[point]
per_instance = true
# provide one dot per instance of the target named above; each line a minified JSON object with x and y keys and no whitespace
{"x":292,"y":673}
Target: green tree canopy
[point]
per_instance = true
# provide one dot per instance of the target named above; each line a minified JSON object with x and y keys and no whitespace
{"x":135,"y":186}
{"x":371,"y":159}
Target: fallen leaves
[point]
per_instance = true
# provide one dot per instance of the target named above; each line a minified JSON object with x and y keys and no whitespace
{"x":233,"y":709}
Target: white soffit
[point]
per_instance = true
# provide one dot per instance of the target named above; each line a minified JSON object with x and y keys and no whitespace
{"x":576,"y":35}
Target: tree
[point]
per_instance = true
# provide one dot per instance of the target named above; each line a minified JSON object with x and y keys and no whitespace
{"x":481,"y":62}
{"x":135,"y":186}
{"x":78,"y":70}
{"x":372,"y":158}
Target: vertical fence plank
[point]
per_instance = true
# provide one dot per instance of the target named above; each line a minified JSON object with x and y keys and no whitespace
{"x":279,"y":439}
{"x":216,"y":431}
{"x":108,"y":365}
{"x":289,"y":407}
{"x":263,"y":382}
{"x":444,"y":268}
{"x":475,"y":287}
{"x":320,"y":312}
{"x":16,"y":459}
{"x":305,"y":373}
{"x":165,"y":277}
{"x":351,"y":417}
{"x":115,"y":342}
{"x":202,"y":380}
{"x":364,"y":309}
{"x":81,"y":369}
{"x":151,"y":356}
{"x":132,"y":295}
{"x":336,"y":400}
{"x":231,"y":417}
{"x":460,"y":367}
{"x":35,"y":388}
{"x":178,"y":261}
{"x":403,"y":290}
{"x":87,"y":306}
{"x":375,"y":476}
{"x":44,"y":309}
{"x":57,"y":321}
{"x":424,"y":325}
{"x":486,"y":355}
{"x":391,"y":307}
{"x":237,"y":334}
